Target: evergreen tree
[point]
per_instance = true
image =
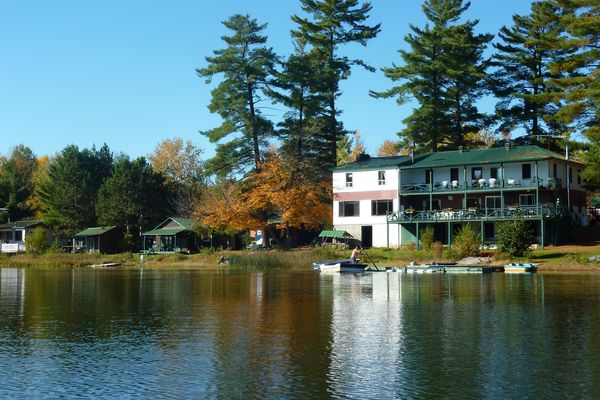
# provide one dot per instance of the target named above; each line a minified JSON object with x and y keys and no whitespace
{"x":331,"y":24}
{"x":444,"y":72}
{"x":246,"y":66}
{"x":134,"y":194}
{"x":522,"y":78}
{"x":16,"y":181}
{"x":580,"y":76}
{"x":69,"y":193}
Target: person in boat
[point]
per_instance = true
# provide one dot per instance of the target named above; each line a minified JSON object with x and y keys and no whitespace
{"x":355,"y":253}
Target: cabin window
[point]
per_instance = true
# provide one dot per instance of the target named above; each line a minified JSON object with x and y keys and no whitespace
{"x":555,"y":175}
{"x":381,"y":177}
{"x":476,"y":173}
{"x":578,"y":177}
{"x":18,"y":236}
{"x":526,"y":171}
{"x":453,"y":174}
{"x":527,"y":199}
{"x":492,"y":202}
{"x":381,"y":207}
{"x":494,"y":172}
{"x":349,"y":179}
{"x":349,"y":209}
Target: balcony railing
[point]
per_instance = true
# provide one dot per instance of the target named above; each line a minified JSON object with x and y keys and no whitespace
{"x":481,"y":184}
{"x":471,"y":214}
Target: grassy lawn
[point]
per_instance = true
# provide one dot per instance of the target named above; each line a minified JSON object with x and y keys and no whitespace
{"x":554,"y":258}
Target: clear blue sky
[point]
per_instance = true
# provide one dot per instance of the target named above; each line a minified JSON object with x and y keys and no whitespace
{"x":123,"y":72}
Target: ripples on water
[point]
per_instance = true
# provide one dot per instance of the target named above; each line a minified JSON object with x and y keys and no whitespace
{"x":182,"y":334}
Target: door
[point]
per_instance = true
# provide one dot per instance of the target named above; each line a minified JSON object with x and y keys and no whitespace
{"x":366,"y":235}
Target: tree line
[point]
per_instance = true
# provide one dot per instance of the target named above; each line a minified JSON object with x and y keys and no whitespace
{"x":543,"y":73}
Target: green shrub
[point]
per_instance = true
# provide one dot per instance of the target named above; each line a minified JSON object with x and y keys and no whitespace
{"x":37,"y":242}
{"x":427,"y":236}
{"x":514,"y":237}
{"x":466,"y":242}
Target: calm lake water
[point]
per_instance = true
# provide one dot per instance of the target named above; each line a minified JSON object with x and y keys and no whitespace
{"x":194,"y":334}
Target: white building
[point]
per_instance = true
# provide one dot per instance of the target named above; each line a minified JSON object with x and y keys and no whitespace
{"x":386,"y":201}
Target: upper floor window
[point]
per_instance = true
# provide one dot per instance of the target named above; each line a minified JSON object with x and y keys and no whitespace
{"x":381,"y":207}
{"x":349,"y":209}
{"x":381,"y":177}
{"x":348,"y":179}
{"x":476,"y":173}
{"x":526,"y":171}
{"x":494,"y":172}
{"x":453,"y":174}
{"x":554,"y":175}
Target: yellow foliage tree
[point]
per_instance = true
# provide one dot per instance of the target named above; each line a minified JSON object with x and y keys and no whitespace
{"x":387,"y":149}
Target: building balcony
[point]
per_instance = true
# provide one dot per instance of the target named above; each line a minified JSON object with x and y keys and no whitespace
{"x":480,"y":185}
{"x":471,"y":214}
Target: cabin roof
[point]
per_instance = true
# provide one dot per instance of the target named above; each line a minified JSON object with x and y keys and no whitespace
{"x":20,"y":224}
{"x":95,"y":231}
{"x":335,"y":234}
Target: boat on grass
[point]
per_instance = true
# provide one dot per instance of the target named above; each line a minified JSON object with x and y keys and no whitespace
{"x":519,"y":268}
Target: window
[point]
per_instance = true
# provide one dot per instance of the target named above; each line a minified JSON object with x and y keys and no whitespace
{"x":476,"y":173}
{"x":349,"y":209}
{"x":527,"y":199}
{"x":526,"y":171}
{"x":381,"y":207}
{"x":349,"y":179}
{"x":570,"y":175}
{"x":554,"y":175}
{"x":18,"y":236}
{"x":493,"y":202}
{"x":578,"y":177}
{"x":381,"y":177}
{"x":436,"y":204}
{"x":453,"y":174}
{"x":494,"y":172}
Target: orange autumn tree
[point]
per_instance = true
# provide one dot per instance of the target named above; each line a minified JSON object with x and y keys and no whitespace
{"x":276,"y":188}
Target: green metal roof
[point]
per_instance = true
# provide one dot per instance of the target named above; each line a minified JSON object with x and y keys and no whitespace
{"x":455,"y":158}
{"x":20,"y":224}
{"x":335,"y":234}
{"x":374,"y":163}
{"x":165,"y":231}
{"x":95,"y":231}
{"x":482,"y":156}
{"x":186,"y":222}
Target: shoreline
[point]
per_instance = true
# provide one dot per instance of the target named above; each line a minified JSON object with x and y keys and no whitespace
{"x":559,"y":259}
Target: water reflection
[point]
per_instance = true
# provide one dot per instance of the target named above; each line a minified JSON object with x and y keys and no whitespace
{"x":166,"y":333}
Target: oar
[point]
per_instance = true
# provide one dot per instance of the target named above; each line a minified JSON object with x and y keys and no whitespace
{"x":369,"y":257}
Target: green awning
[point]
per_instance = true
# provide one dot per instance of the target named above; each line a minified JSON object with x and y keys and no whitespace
{"x":95,"y":231}
{"x":165,"y":231}
{"x":335,"y":234}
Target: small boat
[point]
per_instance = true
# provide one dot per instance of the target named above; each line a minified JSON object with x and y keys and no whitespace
{"x":341,"y":265}
{"x":519,"y":268}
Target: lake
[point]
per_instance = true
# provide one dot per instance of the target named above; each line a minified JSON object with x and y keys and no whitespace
{"x":129,"y":333}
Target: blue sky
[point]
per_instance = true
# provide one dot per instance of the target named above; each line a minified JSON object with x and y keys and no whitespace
{"x":123,"y":72}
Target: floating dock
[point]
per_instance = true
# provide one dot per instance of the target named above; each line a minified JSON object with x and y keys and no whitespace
{"x":441,"y":269}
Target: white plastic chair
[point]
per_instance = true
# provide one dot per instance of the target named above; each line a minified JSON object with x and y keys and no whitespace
{"x":492,"y":182}
{"x":454,"y":184}
{"x":445,"y":184}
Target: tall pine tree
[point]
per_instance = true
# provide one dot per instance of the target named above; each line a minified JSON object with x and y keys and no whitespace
{"x":580,"y":76}
{"x":444,"y":72}
{"x":330,"y":25}
{"x":246,"y":66}
{"x":522,"y":78}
